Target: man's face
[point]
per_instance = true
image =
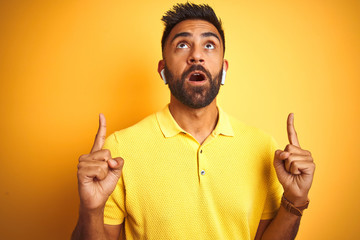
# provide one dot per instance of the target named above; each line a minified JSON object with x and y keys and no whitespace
{"x":193,"y":62}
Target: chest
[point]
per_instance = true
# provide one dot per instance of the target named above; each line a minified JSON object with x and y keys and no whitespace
{"x":195,"y":185}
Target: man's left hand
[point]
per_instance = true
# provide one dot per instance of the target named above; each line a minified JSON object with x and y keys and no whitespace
{"x":294,"y":167}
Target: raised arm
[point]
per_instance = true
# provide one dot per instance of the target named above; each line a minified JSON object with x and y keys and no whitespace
{"x":295,"y":170}
{"x":98,"y":174}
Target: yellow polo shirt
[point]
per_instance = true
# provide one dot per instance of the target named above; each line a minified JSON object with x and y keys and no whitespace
{"x":174,"y":188}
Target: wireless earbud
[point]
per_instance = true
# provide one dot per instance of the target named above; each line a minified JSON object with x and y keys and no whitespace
{"x":162,"y":73}
{"x":223,"y":77}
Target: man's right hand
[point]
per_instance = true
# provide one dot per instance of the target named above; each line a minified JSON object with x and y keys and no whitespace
{"x":98,"y":173}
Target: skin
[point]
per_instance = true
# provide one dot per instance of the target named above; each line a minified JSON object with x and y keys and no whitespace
{"x":98,"y":174}
{"x":198,"y":122}
{"x":190,"y":42}
{"x":295,"y":170}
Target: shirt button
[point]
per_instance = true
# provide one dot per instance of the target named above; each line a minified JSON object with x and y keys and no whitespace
{"x":201,"y":151}
{"x":202,"y":172}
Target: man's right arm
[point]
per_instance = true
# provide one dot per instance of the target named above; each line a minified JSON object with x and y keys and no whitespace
{"x":91,"y":226}
{"x":98,"y":174}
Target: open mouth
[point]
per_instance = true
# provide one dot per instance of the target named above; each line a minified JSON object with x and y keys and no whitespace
{"x":197,"y":77}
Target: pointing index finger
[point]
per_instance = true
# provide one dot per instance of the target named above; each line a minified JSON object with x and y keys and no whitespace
{"x":100,"y":135}
{"x":292,"y":136}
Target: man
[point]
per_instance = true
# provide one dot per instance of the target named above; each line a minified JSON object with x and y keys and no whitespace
{"x":192,"y":172}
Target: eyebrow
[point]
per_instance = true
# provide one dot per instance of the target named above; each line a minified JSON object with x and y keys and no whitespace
{"x":187,"y":34}
{"x":210,"y":34}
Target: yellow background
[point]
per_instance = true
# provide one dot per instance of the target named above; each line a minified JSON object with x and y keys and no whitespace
{"x":63,"y":62}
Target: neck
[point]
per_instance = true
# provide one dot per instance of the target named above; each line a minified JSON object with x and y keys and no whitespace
{"x":198,"y":122}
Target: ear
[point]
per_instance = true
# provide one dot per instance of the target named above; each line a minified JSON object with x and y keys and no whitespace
{"x":161,"y":66}
{"x":161,"y":69}
{"x":225,"y":68}
{"x":225,"y":65}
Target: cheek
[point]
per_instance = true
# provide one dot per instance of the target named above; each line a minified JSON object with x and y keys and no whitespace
{"x":215,"y":66}
{"x":179,"y":57}
{"x":213,"y":58}
{"x":176,"y":64}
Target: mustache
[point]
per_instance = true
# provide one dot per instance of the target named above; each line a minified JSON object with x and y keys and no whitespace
{"x":196,"y":68}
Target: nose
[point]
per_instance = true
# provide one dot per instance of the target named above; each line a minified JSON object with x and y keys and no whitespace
{"x":196,"y":56}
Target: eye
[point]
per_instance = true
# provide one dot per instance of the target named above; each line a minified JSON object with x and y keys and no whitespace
{"x":182,"y":45}
{"x":209,"y":46}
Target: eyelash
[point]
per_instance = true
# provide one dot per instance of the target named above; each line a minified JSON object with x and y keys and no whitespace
{"x":177,"y":46}
{"x":212,"y":44}
{"x":186,"y":44}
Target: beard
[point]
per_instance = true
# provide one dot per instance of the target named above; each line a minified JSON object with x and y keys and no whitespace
{"x":194,"y":96}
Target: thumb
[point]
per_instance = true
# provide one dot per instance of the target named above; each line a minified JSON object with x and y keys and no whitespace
{"x":116,"y":165}
{"x":279,"y":158}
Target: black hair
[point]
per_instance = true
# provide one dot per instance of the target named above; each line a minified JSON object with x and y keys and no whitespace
{"x":185,"y":11}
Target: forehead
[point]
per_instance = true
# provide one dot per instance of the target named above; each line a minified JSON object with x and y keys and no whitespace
{"x":193,"y":26}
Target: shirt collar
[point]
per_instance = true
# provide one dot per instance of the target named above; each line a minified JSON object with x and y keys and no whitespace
{"x":170,"y":128}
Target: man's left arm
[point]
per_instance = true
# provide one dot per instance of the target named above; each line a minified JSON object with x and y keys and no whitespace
{"x":295,"y":170}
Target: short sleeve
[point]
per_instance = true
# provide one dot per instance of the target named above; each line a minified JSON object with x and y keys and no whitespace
{"x":275,"y":190}
{"x":114,"y":212}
